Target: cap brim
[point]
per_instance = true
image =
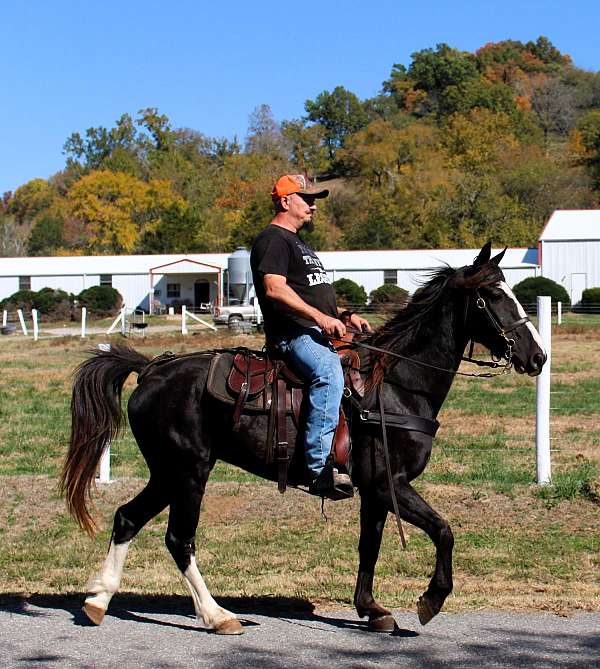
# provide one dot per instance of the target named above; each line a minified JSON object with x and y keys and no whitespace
{"x":314,"y":195}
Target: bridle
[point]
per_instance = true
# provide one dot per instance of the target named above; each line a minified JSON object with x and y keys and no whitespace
{"x":501,"y":330}
{"x":495,"y":363}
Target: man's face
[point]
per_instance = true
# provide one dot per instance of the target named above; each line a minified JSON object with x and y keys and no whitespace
{"x":301,"y":210}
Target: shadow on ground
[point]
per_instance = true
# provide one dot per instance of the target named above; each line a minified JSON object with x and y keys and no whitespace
{"x":469,"y":640}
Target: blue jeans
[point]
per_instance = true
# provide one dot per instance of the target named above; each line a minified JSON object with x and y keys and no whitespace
{"x":311,"y":355}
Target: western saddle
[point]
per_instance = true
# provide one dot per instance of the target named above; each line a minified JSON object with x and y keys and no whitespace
{"x":255,"y":383}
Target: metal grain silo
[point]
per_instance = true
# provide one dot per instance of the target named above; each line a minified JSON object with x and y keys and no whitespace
{"x":240,"y":275}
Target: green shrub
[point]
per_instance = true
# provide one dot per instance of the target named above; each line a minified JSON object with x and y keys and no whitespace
{"x":52,"y":303}
{"x":388,"y":295}
{"x":528,"y":290}
{"x":101,"y":300}
{"x":591,"y":296}
{"x":349,"y":293}
{"x":22,"y":299}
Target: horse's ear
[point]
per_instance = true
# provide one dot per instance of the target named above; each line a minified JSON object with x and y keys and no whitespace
{"x":484,"y":254}
{"x":498,"y":259}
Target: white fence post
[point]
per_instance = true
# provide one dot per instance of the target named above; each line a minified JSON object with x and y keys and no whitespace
{"x":104,"y":474}
{"x":36,"y":329}
{"x":542,"y":425}
{"x":559,"y":313}
{"x":4,"y":317}
{"x":22,"y":321}
{"x":83,"y":319}
{"x":184,"y":329}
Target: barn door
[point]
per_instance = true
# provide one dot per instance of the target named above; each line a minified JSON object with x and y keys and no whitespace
{"x":578,"y":285}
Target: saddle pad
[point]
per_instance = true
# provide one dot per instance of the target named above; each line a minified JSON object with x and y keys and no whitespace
{"x":217,"y":385}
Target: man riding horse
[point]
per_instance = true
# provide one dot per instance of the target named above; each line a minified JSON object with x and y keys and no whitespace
{"x":300,"y":318}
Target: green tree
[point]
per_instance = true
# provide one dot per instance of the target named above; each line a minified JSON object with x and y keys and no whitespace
{"x":434,"y":71}
{"x":46,"y":236}
{"x":585,"y":144}
{"x":340,"y":113}
{"x":307,"y":148}
{"x":179,"y":231}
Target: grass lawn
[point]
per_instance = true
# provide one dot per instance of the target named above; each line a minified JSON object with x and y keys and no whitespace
{"x":517,"y":546}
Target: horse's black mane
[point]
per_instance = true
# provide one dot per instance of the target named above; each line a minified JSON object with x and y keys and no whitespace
{"x":402,"y":327}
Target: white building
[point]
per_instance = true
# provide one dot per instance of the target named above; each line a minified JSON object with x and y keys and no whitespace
{"x":199,"y":279}
{"x":195,"y":279}
{"x":569,"y":250}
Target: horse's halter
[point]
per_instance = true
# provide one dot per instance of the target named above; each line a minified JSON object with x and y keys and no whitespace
{"x":502,"y":330}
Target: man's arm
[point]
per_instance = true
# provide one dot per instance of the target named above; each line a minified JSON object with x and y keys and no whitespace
{"x":277,"y":289}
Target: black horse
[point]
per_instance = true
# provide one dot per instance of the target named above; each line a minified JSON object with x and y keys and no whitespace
{"x":181,"y":431}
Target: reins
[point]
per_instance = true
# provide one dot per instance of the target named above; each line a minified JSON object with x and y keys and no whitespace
{"x":480,"y":303}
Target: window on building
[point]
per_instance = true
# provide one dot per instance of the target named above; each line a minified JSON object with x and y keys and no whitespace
{"x":390,"y":276}
{"x":24,"y":283}
{"x":173,"y":290}
{"x":106,"y":280}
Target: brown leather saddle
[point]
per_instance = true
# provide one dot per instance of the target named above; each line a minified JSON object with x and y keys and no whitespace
{"x":256,"y":384}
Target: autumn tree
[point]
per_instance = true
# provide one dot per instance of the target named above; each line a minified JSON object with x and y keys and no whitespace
{"x":109,"y":210}
{"x":31,"y":199}
{"x":554,"y":106}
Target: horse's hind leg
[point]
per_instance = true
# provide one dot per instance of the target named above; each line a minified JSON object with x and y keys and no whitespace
{"x":129,"y":520}
{"x":180,"y":540}
{"x":415,"y":510}
{"x":373,"y":513}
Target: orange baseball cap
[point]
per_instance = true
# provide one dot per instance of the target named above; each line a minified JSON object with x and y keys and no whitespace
{"x":295,"y":183}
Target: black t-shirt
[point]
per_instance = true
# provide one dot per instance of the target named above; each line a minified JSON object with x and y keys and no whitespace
{"x":279,"y":251}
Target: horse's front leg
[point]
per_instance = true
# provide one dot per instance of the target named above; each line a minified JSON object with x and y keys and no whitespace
{"x":415,"y":510}
{"x":372,"y":521}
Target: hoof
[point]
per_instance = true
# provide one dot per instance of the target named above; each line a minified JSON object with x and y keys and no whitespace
{"x":424,"y":610}
{"x":382,"y":624}
{"x":230,"y":626}
{"x":94,"y":613}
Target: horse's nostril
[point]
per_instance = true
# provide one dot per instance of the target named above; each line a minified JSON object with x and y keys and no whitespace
{"x":538,"y":360}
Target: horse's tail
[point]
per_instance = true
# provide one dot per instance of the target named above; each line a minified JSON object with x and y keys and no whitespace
{"x":96,"y":418}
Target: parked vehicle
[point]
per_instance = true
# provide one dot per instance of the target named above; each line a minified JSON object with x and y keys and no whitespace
{"x":236,"y":313}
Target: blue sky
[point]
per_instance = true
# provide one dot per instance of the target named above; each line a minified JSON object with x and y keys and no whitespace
{"x":66,"y":66}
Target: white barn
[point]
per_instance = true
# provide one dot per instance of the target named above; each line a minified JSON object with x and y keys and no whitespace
{"x":146,"y":281}
{"x":569,"y":250}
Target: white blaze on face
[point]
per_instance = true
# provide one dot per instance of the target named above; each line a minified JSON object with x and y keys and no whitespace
{"x":534,"y":333}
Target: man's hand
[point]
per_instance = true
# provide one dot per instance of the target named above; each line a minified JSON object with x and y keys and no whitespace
{"x":360,"y":323}
{"x":331,"y":326}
